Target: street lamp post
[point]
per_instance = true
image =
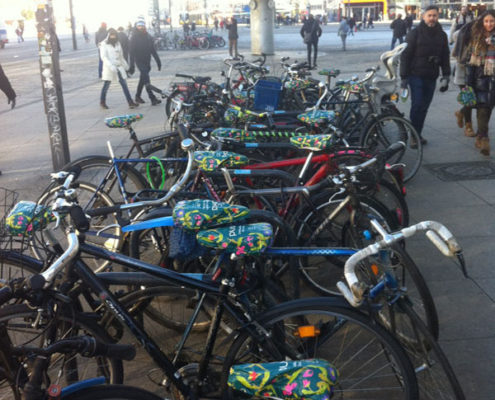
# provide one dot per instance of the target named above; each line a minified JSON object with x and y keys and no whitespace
{"x":51,"y":84}
{"x":73,"y":26}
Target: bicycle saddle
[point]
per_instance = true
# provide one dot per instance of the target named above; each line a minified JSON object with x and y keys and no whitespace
{"x":201,"y":79}
{"x":297,"y":84}
{"x":317,"y":117}
{"x":240,"y":239}
{"x":330,"y":72}
{"x":239,"y":135}
{"x":201,"y":214}
{"x":312,"y":142}
{"x":122,"y":121}
{"x":304,"y":379}
{"x":212,"y":160}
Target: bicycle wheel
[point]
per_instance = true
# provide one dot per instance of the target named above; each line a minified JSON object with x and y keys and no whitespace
{"x":387,"y":129}
{"x":36,"y":327}
{"x":88,"y":198}
{"x":15,"y":264}
{"x":315,"y":228}
{"x":436,"y":377}
{"x":371,"y":364}
{"x":203,"y":44}
{"x":110,"y":392}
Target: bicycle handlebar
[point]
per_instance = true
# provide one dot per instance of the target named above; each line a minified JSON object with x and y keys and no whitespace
{"x":438,"y":234}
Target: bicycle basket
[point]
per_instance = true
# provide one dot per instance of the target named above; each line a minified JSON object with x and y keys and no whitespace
{"x":8,"y":199}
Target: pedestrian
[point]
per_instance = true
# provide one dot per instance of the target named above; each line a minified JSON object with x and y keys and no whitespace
{"x":480,"y":75}
{"x":19,"y":31}
{"x":461,"y":52}
{"x":409,"y":22}
{"x":141,"y":49}
{"x":215,"y":22}
{"x":398,"y":27}
{"x":370,"y":22}
{"x":365,"y":22}
{"x":343,"y":31}
{"x":222,"y":24}
{"x":6,"y":87}
{"x":100,"y":36}
{"x":352,"y":25}
{"x":426,"y":53}
{"x":124,"y":42}
{"x":231,"y":26}
{"x":114,"y":67}
{"x":457,"y":23}
{"x":311,"y":32}
{"x":85,"y":33}
{"x":193,"y":26}
{"x":186,"y":28}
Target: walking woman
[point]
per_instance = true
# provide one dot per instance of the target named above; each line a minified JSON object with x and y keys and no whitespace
{"x":480,"y":74}
{"x":114,"y":67}
{"x":311,"y":32}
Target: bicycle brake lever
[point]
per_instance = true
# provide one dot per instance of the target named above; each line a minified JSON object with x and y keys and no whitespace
{"x":462,"y":261}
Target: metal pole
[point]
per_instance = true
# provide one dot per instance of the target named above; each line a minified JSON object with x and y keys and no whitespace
{"x":156,"y":9}
{"x":51,"y":84}
{"x":73,"y":26}
{"x":170,"y":12}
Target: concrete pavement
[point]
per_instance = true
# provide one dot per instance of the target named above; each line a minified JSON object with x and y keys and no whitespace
{"x":466,"y":307}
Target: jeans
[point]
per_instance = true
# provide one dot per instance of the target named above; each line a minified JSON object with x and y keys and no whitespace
{"x":144,"y":81}
{"x":343,"y":38}
{"x":106,"y":85}
{"x":483,"y":115}
{"x":315,"y":55}
{"x":422,"y":90}
{"x":233,"y":47}
{"x":394,"y":39}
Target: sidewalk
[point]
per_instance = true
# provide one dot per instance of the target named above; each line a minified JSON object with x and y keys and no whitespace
{"x":466,"y":306}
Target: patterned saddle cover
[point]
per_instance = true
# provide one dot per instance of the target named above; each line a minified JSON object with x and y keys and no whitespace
{"x":330,"y":72}
{"x":317,"y":117}
{"x":238,"y":239}
{"x":122,"y":121}
{"x":312,"y":142}
{"x":194,"y":215}
{"x":297,"y":84}
{"x":27,"y":217}
{"x":304,"y":379}
{"x":212,"y":160}
{"x":239,"y":135}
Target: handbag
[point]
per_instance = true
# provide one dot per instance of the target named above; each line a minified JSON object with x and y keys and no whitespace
{"x":307,"y":37}
{"x":467,"y":97}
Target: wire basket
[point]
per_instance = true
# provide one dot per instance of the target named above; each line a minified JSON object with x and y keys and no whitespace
{"x":8,"y":199}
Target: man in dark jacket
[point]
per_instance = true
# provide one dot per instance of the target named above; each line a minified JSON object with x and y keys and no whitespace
{"x":409,"y":22}
{"x":427,"y":52}
{"x":141,"y":48}
{"x":100,"y":36}
{"x":6,"y":87}
{"x":399,"y":30}
{"x":231,"y":26}
{"x":311,"y":32}
{"x":124,"y":42}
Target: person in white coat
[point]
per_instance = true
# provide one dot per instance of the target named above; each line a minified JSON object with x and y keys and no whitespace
{"x":114,"y":67}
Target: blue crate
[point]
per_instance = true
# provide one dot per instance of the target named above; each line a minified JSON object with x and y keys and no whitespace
{"x":267,"y":95}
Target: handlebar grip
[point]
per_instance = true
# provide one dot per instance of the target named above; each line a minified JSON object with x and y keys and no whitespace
{"x":184,"y":76}
{"x":95,"y":212}
{"x":5,"y":295}
{"x":80,"y":220}
{"x":439,"y":243}
{"x":93,"y":348}
{"x":183,"y":132}
{"x":75,"y":170}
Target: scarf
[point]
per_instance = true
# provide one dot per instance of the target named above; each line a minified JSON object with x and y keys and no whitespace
{"x":483,"y":58}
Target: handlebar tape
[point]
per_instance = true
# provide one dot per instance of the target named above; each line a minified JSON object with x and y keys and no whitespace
{"x":102,"y":211}
{"x":80,"y":220}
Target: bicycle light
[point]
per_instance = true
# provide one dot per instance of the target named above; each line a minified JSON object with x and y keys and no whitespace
{"x":307,"y":331}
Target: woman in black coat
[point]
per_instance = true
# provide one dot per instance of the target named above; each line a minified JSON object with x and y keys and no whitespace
{"x":311,"y":32}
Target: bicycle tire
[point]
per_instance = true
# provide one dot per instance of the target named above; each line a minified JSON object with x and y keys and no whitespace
{"x":436,"y":377}
{"x":355,"y":346}
{"x":15,"y":264}
{"x":111,"y":392}
{"x":377,"y":136}
{"x":19,"y":321}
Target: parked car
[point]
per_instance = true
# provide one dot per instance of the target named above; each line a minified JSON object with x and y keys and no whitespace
{"x":3,"y":36}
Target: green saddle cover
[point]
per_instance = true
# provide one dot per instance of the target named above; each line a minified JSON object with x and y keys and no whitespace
{"x":297,"y":84}
{"x":122,"y":121}
{"x":239,"y":239}
{"x":27,"y":217}
{"x":232,"y":116}
{"x":232,"y":133}
{"x":212,"y":160}
{"x":304,"y":379}
{"x":312,"y":142}
{"x":329,"y":72}
{"x":202,"y":214}
{"x":352,"y":87}
{"x":316,"y":118}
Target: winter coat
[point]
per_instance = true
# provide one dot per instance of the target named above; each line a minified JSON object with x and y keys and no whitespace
{"x":461,"y":52}
{"x":313,"y":28}
{"x":100,"y":35}
{"x":141,"y":48}
{"x":427,"y":51}
{"x":408,"y":21}
{"x":5,"y":85}
{"x":458,"y":23}
{"x":399,"y":27}
{"x":232,"y":28}
{"x":344,"y":28}
{"x":113,"y":61}
{"x":124,"y":42}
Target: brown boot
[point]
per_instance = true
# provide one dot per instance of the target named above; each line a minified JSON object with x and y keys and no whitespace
{"x":468,"y":130}
{"x":477,"y":142}
{"x":460,"y":118}
{"x":485,"y":146}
